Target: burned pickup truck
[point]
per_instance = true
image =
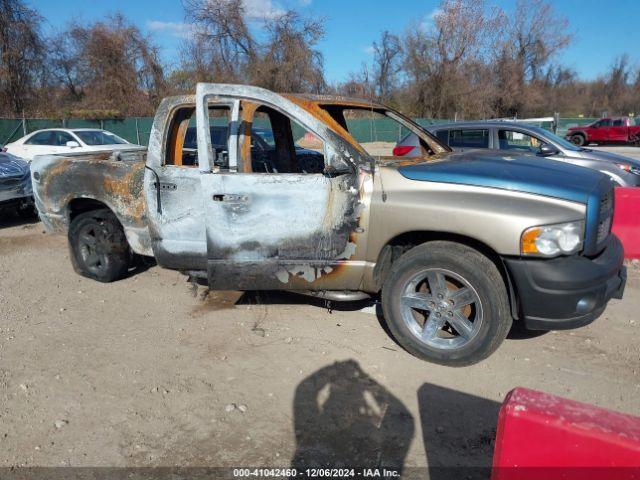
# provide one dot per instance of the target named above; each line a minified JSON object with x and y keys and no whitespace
{"x":457,"y":246}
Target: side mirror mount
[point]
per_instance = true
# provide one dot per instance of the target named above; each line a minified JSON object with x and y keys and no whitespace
{"x":547,"y":149}
{"x":72,"y":144}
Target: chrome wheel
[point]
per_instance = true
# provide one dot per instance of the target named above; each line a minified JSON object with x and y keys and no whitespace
{"x":441,"y":308}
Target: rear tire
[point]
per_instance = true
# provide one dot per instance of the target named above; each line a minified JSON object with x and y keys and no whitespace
{"x":99,"y":248}
{"x":446,"y":303}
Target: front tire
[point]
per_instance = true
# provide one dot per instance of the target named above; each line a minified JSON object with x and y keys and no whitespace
{"x":578,"y":140}
{"x":446,"y":303}
{"x":99,"y":248}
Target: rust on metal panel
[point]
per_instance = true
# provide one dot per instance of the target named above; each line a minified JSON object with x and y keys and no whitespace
{"x":118,"y":184}
{"x":313,"y":107}
{"x":336,"y":100}
{"x":313,"y":246}
{"x":248,"y":110}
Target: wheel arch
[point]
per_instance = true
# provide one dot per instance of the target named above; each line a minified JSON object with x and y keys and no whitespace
{"x":581,"y":133}
{"x":137,"y":237}
{"x":79,"y":205}
{"x":403,"y":242}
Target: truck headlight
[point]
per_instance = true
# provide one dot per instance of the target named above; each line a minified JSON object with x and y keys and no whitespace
{"x":553,"y":240}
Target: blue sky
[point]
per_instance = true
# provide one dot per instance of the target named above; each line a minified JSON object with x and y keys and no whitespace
{"x":602,"y":29}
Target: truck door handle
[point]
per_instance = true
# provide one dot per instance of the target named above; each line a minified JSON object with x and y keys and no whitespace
{"x":230,"y":197}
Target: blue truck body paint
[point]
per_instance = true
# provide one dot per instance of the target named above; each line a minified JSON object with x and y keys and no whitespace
{"x":527,"y":174}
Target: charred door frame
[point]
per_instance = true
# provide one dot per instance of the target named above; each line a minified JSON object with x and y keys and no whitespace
{"x":335,"y":255}
{"x":173,"y":196}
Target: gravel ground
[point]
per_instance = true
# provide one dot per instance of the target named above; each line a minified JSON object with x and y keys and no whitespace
{"x":153,"y":371}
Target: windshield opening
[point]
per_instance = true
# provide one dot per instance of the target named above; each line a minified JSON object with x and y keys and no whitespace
{"x":556,"y":139}
{"x":99,"y":137}
{"x":379,"y":130}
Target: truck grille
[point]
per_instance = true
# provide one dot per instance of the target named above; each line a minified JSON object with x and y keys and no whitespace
{"x":605,"y":217}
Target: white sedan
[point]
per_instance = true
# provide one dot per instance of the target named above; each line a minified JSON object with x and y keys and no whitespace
{"x":65,"y":140}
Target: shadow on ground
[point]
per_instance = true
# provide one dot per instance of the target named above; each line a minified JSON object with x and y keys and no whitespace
{"x":458,"y":431}
{"x":344,"y":418}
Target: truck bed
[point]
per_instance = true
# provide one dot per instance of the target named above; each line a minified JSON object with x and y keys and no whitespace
{"x":63,"y":185}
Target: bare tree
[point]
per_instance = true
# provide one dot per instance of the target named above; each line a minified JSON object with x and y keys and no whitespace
{"x":289,"y":62}
{"x":109,"y":66}
{"x":21,"y":53}
{"x":224,"y":49}
{"x":533,"y":36}
{"x":68,"y":64}
{"x":443,"y":60}
{"x":358,"y":85}
{"x":387,"y":60}
{"x":467,"y":60}
{"x":222,"y":43}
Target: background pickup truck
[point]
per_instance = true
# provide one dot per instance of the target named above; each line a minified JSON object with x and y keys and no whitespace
{"x":458,"y":245}
{"x":606,"y":130}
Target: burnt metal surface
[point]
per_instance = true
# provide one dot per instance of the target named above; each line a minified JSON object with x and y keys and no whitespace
{"x":113,"y":179}
{"x":286,"y":230}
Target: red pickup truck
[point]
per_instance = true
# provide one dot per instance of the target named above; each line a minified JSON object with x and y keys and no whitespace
{"x":606,"y":130}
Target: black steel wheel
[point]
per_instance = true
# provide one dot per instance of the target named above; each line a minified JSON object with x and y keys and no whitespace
{"x":99,"y":248}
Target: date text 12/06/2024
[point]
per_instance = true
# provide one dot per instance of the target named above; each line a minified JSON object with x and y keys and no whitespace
{"x":315,"y":473}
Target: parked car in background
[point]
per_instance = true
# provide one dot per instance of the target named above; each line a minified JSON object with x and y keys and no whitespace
{"x":606,"y":130}
{"x":64,"y":140}
{"x":15,"y":185}
{"x":263,"y":150}
{"x":519,"y":138}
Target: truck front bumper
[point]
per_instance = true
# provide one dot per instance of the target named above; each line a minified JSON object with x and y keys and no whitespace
{"x":567,"y":292}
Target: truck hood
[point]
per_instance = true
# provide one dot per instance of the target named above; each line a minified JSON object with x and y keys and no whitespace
{"x":527,"y":174}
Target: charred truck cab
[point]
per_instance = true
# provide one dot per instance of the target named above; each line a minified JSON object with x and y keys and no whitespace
{"x":458,"y":246}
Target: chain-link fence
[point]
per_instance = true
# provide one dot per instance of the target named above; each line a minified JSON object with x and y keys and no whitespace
{"x":135,"y":130}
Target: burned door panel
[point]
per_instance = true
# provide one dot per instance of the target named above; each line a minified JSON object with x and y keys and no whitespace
{"x":178,"y":227}
{"x":285,"y":231}
{"x":282,"y":229}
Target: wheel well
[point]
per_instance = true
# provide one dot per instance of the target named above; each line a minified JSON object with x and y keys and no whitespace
{"x":406,"y":241}
{"x":81,"y":205}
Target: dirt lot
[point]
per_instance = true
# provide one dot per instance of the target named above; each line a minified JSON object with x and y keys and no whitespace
{"x":150,"y":371}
